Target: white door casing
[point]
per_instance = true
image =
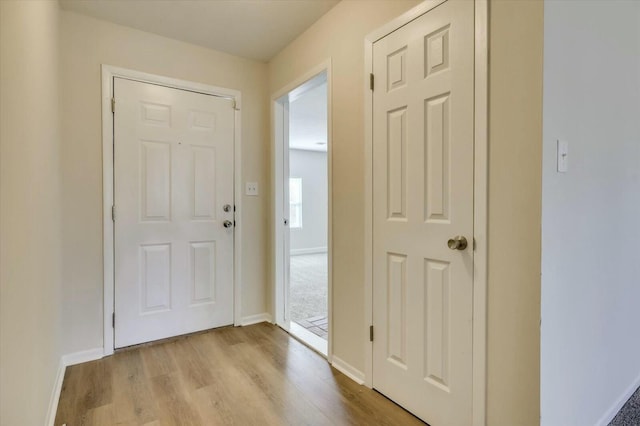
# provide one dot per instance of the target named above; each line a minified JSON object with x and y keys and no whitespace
{"x":280,"y":187}
{"x":423,"y":195}
{"x":285,"y":214}
{"x":173,"y":174}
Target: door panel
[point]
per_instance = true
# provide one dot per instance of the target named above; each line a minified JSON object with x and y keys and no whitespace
{"x":422,"y":197}
{"x":173,"y":173}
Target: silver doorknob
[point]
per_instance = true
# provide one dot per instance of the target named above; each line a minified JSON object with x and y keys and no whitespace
{"x":457,"y":243}
{"x":227,"y":224}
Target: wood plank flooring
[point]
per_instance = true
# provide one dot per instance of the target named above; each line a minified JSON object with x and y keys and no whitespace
{"x":255,"y":375}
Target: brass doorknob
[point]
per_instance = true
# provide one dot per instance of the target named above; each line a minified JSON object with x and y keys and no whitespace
{"x":457,"y":243}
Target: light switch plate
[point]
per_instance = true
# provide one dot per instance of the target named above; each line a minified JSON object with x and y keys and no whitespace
{"x":563,"y":156}
{"x":251,"y":189}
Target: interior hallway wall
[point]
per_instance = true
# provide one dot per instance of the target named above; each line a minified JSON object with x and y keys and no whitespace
{"x":339,"y":35}
{"x":590,"y":233}
{"x":86,"y":44}
{"x":515,"y":191}
{"x":311,"y":167}
{"x":516,"y":39}
{"x":30,"y":205}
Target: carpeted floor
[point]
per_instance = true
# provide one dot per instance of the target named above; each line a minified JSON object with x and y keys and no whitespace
{"x":308,"y":291}
{"x":629,"y":414}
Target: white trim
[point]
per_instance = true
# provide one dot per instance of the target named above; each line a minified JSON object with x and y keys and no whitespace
{"x":618,"y":403}
{"x":400,"y":21}
{"x":308,"y":148}
{"x":311,"y":84}
{"x":310,"y":74}
{"x":371,"y":38}
{"x":480,"y":212}
{"x":55,"y":394}
{"x":66,"y":361}
{"x":108,"y":73}
{"x":308,"y":338}
{"x":107,"y":203}
{"x":238,"y":193}
{"x":312,"y":250}
{"x":255,"y":319}
{"x":82,"y":356}
{"x":277,"y":111}
{"x":368,"y":212}
{"x":480,"y":207}
{"x":278,"y":115}
{"x":348,"y":370}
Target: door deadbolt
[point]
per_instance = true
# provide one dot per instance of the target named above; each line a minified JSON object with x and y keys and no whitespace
{"x":457,"y":243}
{"x":227,"y":208}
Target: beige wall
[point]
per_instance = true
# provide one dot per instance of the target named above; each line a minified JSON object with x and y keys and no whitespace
{"x":86,"y":44}
{"x":30,"y":202}
{"x":590,"y":288}
{"x":30,"y":272}
{"x":515,"y":191}
{"x":514,"y":187}
{"x":340,"y":35}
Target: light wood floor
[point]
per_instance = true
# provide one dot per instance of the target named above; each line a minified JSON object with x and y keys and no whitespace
{"x":254,"y":375}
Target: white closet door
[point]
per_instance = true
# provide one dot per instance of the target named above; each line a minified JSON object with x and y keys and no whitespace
{"x":422,"y":198}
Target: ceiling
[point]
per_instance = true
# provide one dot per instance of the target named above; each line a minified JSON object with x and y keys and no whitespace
{"x":255,"y":29}
{"x":308,"y":118}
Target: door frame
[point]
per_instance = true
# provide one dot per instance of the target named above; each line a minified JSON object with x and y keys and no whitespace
{"x":278,"y":142}
{"x":108,"y":74}
{"x":480,"y":193}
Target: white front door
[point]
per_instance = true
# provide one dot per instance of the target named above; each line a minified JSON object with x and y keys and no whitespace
{"x":423,"y":145}
{"x":173,"y":179}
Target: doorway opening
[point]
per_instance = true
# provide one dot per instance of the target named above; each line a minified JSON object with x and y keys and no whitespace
{"x":302,"y":211}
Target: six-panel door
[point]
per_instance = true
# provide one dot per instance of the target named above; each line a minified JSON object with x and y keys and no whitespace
{"x":173,"y":175}
{"x":422,"y":197}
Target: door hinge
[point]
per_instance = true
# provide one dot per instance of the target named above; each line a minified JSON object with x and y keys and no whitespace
{"x":113,"y":320}
{"x":371,"y":81}
{"x":371,"y":333}
{"x":235,"y":104}
{"x":113,"y":105}
{"x":113,"y":213}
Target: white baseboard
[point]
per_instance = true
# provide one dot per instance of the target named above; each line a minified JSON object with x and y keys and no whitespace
{"x":313,"y":250}
{"x":65,"y":361}
{"x":255,"y":319}
{"x":617,"y":405}
{"x":55,"y":395}
{"x":82,"y":356}
{"x":348,"y":370}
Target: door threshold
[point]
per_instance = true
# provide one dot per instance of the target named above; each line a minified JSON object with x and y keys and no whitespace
{"x":308,"y":338}
{"x":168,"y":339}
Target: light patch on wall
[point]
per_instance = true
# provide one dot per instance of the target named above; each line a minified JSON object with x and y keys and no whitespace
{"x":295,"y":202}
